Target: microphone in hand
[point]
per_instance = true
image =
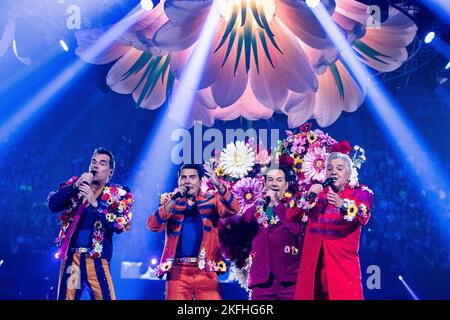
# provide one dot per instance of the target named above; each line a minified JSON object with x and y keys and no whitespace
{"x":325,"y":184}
{"x":266,"y":204}
{"x":180,"y":194}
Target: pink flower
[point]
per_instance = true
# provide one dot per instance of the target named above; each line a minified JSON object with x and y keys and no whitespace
{"x":263,"y":157}
{"x":324,"y":138}
{"x":314,"y":164}
{"x":249,"y":192}
{"x":298,"y":146}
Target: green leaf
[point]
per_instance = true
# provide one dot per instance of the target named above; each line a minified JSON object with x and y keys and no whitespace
{"x":229,"y":28}
{"x":239,"y":50}
{"x":230,"y":45}
{"x":248,"y":44}
{"x":369,"y":51}
{"x":337,"y":78}
{"x":143,"y":59}
{"x":262,"y":37}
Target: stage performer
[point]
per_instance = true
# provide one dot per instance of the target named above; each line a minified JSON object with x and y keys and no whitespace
{"x":94,"y":210}
{"x":191,"y":257}
{"x":330,"y":268}
{"x":276,"y":243}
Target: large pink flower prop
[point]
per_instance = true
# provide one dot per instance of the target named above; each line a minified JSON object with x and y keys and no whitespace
{"x":268,"y":56}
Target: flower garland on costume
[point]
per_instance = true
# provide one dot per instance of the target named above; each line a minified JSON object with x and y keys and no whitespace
{"x":114,"y":206}
{"x":352,"y":209}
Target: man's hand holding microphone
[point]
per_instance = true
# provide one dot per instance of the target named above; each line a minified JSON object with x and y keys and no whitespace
{"x":84,"y":188}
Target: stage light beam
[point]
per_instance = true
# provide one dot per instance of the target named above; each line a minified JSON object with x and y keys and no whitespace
{"x":427,"y":169}
{"x":430,"y":37}
{"x":64,"y":45}
{"x":408,"y":288}
{"x":147,"y":5}
{"x":43,"y":99}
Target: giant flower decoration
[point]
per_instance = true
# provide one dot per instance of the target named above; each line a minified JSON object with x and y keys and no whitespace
{"x":237,"y":159}
{"x":249,"y":192}
{"x":268,"y":56}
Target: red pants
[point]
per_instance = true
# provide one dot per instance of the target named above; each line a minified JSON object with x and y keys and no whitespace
{"x":186,"y":281}
{"x":321,"y":281}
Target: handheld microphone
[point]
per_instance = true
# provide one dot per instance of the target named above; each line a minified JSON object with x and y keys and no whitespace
{"x":179,"y":194}
{"x":325,"y":184}
{"x":267,"y":202}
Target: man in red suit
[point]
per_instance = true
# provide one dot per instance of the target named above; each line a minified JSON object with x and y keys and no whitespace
{"x":329,"y":268}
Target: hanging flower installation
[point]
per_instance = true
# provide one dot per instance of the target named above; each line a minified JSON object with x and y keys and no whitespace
{"x":267,"y":56}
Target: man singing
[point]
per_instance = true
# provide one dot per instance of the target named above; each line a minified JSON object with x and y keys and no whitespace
{"x":94,"y":209}
{"x":191,"y":257}
{"x":276,"y":243}
{"x":330,"y":268}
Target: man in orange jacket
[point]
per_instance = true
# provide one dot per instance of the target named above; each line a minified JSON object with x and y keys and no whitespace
{"x":191,"y":257}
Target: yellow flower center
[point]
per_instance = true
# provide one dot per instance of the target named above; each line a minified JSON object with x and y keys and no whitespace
{"x":319,"y":164}
{"x":248,"y":196}
{"x":238,"y":160}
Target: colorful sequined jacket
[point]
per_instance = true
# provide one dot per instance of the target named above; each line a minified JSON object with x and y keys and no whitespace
{"x":113,"y":215}
{"x":211,"y":208}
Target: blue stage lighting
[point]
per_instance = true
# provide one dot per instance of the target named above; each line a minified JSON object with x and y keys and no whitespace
{"x":447,"y":66}
{"x":430,"y":37}
{"x":147,"y":5}
{"x":312,"y":3}
{"x":64,"y":45}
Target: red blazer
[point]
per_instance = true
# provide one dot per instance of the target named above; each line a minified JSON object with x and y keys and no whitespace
{"x":339,"y":239}
{"x":211,"y":208}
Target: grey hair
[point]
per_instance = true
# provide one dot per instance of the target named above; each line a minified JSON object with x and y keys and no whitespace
{"x":338,"y":155}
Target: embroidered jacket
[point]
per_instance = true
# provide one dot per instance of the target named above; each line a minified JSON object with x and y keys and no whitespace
{"x":113,"y":214}
{"x":211,"y":209}
{"x":336,"y":232}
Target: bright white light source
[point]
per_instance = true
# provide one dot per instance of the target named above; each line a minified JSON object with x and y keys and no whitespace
{"x":154,"y":261}
{"x":147,"y":5}
{"x":400,"y":278}
{"x":312,"y":3}
{"x":64,"y":45}
{"x":430,"y":37}
{"x":447,"y":66}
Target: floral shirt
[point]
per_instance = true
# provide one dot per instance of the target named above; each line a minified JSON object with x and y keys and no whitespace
{"x":113,"y":214}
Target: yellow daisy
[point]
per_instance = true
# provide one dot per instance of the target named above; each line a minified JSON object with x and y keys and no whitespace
{"x":220,"y":171}
{"x":311,"y":137}
{"x":352,"y":210}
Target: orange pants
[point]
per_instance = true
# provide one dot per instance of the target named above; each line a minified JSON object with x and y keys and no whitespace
{"x":186,"y":281}
{"x":78,"y":272}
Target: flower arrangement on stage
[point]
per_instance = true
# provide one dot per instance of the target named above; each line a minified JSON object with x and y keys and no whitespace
{"x":242,"y":169}
{"x":249,"y":192}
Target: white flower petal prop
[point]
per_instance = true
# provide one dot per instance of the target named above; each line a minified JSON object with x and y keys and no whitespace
{"x":237,"y":159}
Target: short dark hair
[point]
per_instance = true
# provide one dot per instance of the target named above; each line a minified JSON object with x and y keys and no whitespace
{"x":112,"y":160}
{"x":289,"y":176}
{"x":197,"y":167}
{"x":283,"y":168}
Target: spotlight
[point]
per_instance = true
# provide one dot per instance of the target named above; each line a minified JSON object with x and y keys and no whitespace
{"x":430,"y":37}
{"x":1,"y":262}
{"x":447,"y":66}
{"x":312,"y":3}
{"x":147,"y":5}
{"x":56,"y":255}
{"x":400,"y":278}
{"x":154,"y":262}
{"x":64,"y":45}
